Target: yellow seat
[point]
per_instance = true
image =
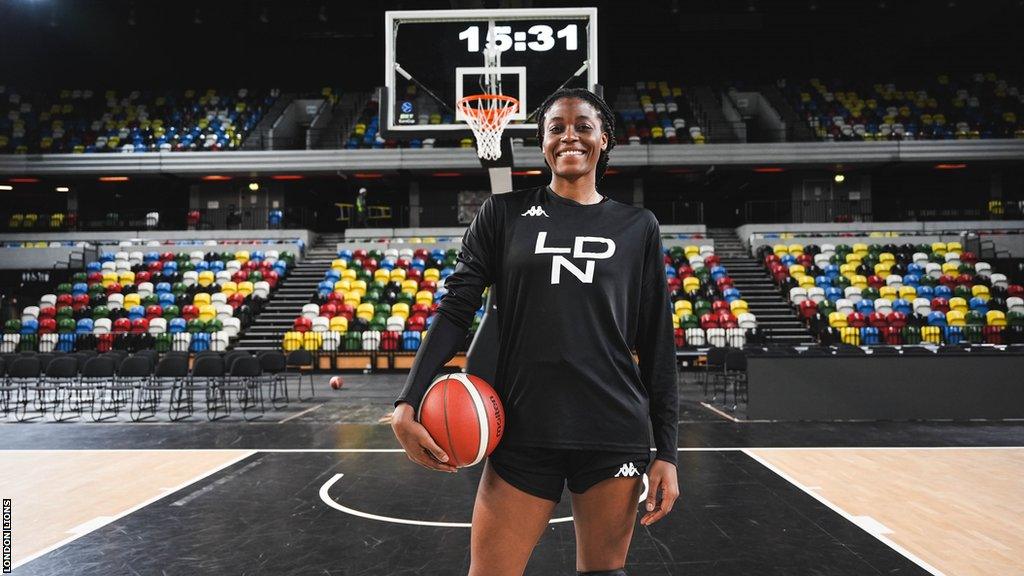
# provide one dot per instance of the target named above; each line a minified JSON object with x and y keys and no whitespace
{"x":848,"y":269}
{"x":931,"y":334}
{"x":806,"y":281}
{"x":797,"y":270}
{"x":343,"y":285}
{"x":206,"y":278}
{"x":132,"y":299}
{"x":995,"y":318}
{"x":950,"y":268}
{"x":738,"y":307}
{"x":432,"y":274}
{"x":889,"y":292}
{"x":682,"y":306}
{"x":382,"y":275}
{"x":692,"y":251}
{"x":837,"y":320}
{"x":245,"y":288}
{"x":339,"y":264}
{"x":229,"y":288}
{"x":410,"y":286}
{"x":365,"y":311}
{"x":312,"y":341}
{"x":126,"y":278}
{"x":691,"y":284}
{"x":859,"y":281}
{"x":980,"y":291}
{"x":348,"y":274}
{"x":853,"y":258}
{"x":201,"y":298}
{"x":424,"y":297}
{"x":292,"y":341}
{"x":397,"y":275}
{"x":780,"y":250}
{"x":207,"y":312}
{"x":959,"y":304}
{"x":353,"y":299}
{"x":883,"y":269}
{"x":908,"y":293}
{"x":796,"y":249}
{"x":400,"y":309}
{"x":887,"y":257}
{"x":339,"y":324}
{"x":850,"y":336}
{"x":242,"y":256}
{"x":954,"y":247}
{"x":956,"y":318}
{"x":109,"y":278}
{"x":939,"y":248}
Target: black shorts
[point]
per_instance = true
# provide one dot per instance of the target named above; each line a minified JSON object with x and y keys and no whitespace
{"x":543,"y":472}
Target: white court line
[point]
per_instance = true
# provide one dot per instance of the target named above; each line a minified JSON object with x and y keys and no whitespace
{"x":325,"y":496}
{"x":866,"y":523}
{"x":720,"y":413}
{"x":96,"y":523}
{"x":306,"y":411}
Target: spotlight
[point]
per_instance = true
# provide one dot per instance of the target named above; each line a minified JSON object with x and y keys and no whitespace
{"x":839,"y":178}
{"x":254,"y":186}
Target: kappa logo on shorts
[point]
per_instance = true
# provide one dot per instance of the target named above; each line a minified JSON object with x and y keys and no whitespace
{"x":627,"y":469}
{"x":535,"y":211}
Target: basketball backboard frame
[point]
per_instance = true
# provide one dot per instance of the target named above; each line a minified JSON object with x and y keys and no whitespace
{"x":586,"y":73}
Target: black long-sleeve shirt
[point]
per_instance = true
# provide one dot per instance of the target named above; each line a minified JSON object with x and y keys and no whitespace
{"x":578,"y":287}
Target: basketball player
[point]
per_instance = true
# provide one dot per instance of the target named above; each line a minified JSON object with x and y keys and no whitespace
{"x":579,"y":282}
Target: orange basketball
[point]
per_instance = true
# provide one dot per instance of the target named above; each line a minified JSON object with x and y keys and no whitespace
{"x":464,"y":415}
{"x":337,"y":382}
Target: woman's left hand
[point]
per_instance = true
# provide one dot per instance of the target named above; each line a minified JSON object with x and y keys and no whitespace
{"x":662,"y":481}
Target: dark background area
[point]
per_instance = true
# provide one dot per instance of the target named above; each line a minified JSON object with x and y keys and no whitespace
{"x":312,"y":43}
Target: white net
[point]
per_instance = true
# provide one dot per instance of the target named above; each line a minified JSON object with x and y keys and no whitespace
{"x":487,"y":115}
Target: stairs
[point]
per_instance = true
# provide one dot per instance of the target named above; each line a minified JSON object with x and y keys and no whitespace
{"x":256,"y":139}
{"x":709,"y":109}
{"x":286,"y":303}
{"x":797,"y":129}
{"x":774,"y":315}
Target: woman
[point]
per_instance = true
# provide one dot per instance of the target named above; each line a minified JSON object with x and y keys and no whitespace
{"x":579,"y":282}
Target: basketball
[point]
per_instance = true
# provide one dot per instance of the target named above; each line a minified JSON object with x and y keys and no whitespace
{"x":337,"y":382}
{"x":464,"y":415}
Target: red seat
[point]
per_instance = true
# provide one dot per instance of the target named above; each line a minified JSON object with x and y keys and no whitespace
{"x":302,"y":324}
{"x":940,"y":304}
{"x":856,"y":320}
{"x":992,"y":334}
{"x":417,"y":323}
{"x":877,"y":320}
{"x":47,"y":325}
{"x":329,"y":310}
{"x":189,"y":312}
{"x":719,"y":306}
{"x":897,"y":320}
{"x":708,"y":321}
{"x":875,"y":281}
{"x":154,"y":311}
{"x":808,"y":309}
{"x":680,"y":337}
{"x":140,"y":326}
{"x":389,"y":340}
{"x":893,"y":336}
{"x":143,"y":276}
{"x":122,"y":325}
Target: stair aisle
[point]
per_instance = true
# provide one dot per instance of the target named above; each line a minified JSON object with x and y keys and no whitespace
{"x":286,"y":303}
{"x":774,"y":315}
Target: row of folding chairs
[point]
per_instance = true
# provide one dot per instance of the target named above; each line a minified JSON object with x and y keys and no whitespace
{"x":66,"y":385}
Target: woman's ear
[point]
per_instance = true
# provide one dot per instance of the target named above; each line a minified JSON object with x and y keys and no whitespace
{"x":604,"y":140}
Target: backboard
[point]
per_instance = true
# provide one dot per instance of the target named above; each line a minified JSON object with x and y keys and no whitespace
{"x":435,"y":57}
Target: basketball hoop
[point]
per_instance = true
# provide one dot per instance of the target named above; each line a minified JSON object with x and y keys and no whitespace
{"x":487,"y":115}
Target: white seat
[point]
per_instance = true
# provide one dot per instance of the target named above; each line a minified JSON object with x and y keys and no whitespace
{"x":396,"y":324}
{"x":218,"y":298}
{"x":736,"y":337}
{"x":115,"y":301}
{"x":999,"y":281}
{"x":101,"y":326}
{"x":816,"y":294}
{"x":196,"y":256}
{"x":233,"y":265}
{"x":232,"y":326}
{"x":852,"y":293}
{"x":371,"y":340}
{"x":1015,"y":304}
{"x":321,"y":324}
{"x":695,"y":337}
{"x":29,"y":313}
{"x":224,"y":311}
{"x":797,"y":295}
{"x":747,"y":321}
{"x":922,"y":306}
{"x":47,"y":342}
{"x":222,"y":277}
{"x":331,"y":341}
{"x":181,"y":341}
{"x":894,"y":280}
{"x":145,"y":289}
{"x":190,"y":278}
{"x":920,"y":258}
{"x":9,"y":344}
{"x":157,"y":326}
{"x":48,"y":300}
{"x":311,"y":310}
{"x":844,"y":305}
{"x":261,"y":289}
{"x":883,"y":306}
{"x":983,"y":269}
{"x":933,"y":270}
{"x":219,"y":341}
{"x":716,"y":336}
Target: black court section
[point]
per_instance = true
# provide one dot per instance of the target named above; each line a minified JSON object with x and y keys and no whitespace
{"x":264,"y":515}
{"x":303,"y":434}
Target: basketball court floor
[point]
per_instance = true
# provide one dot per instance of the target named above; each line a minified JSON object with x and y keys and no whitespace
{"x":323,"y":488}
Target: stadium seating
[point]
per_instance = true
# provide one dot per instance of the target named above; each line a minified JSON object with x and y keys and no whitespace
{"x":87,"y":121}
{"x":386,"y":299}
{"x":867,"y":294}
{"x":981,"y":105}
{"x":184,"y":301}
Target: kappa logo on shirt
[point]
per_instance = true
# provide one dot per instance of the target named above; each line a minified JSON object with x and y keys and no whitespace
{"x":627,"y":469}
{"x":558,"y":262}
{"x":535,"y":211}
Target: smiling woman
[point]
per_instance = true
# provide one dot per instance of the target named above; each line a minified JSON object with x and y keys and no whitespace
{"x":576,"y":129}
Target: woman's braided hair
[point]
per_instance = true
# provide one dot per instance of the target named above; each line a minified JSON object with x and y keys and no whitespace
{"x":604,"y":112}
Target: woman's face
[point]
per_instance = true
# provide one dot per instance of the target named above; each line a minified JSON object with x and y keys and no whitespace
{"x":573,"y":139}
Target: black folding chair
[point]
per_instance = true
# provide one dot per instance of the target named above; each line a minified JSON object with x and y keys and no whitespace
{"x":714,"y":369}
{"x":244,"y":381}
{"x":60,"y":387}
{"x":736,"y":374}
{"x":170,"y":373}
{"x":206,"y":377}
{"x":274,"y":365}
{"x":299,"y":363}
{"x":22,"y":376}
{"x":99,"y":372}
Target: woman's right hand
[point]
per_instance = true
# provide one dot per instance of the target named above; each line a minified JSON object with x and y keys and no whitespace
{"x":416,"y":441}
